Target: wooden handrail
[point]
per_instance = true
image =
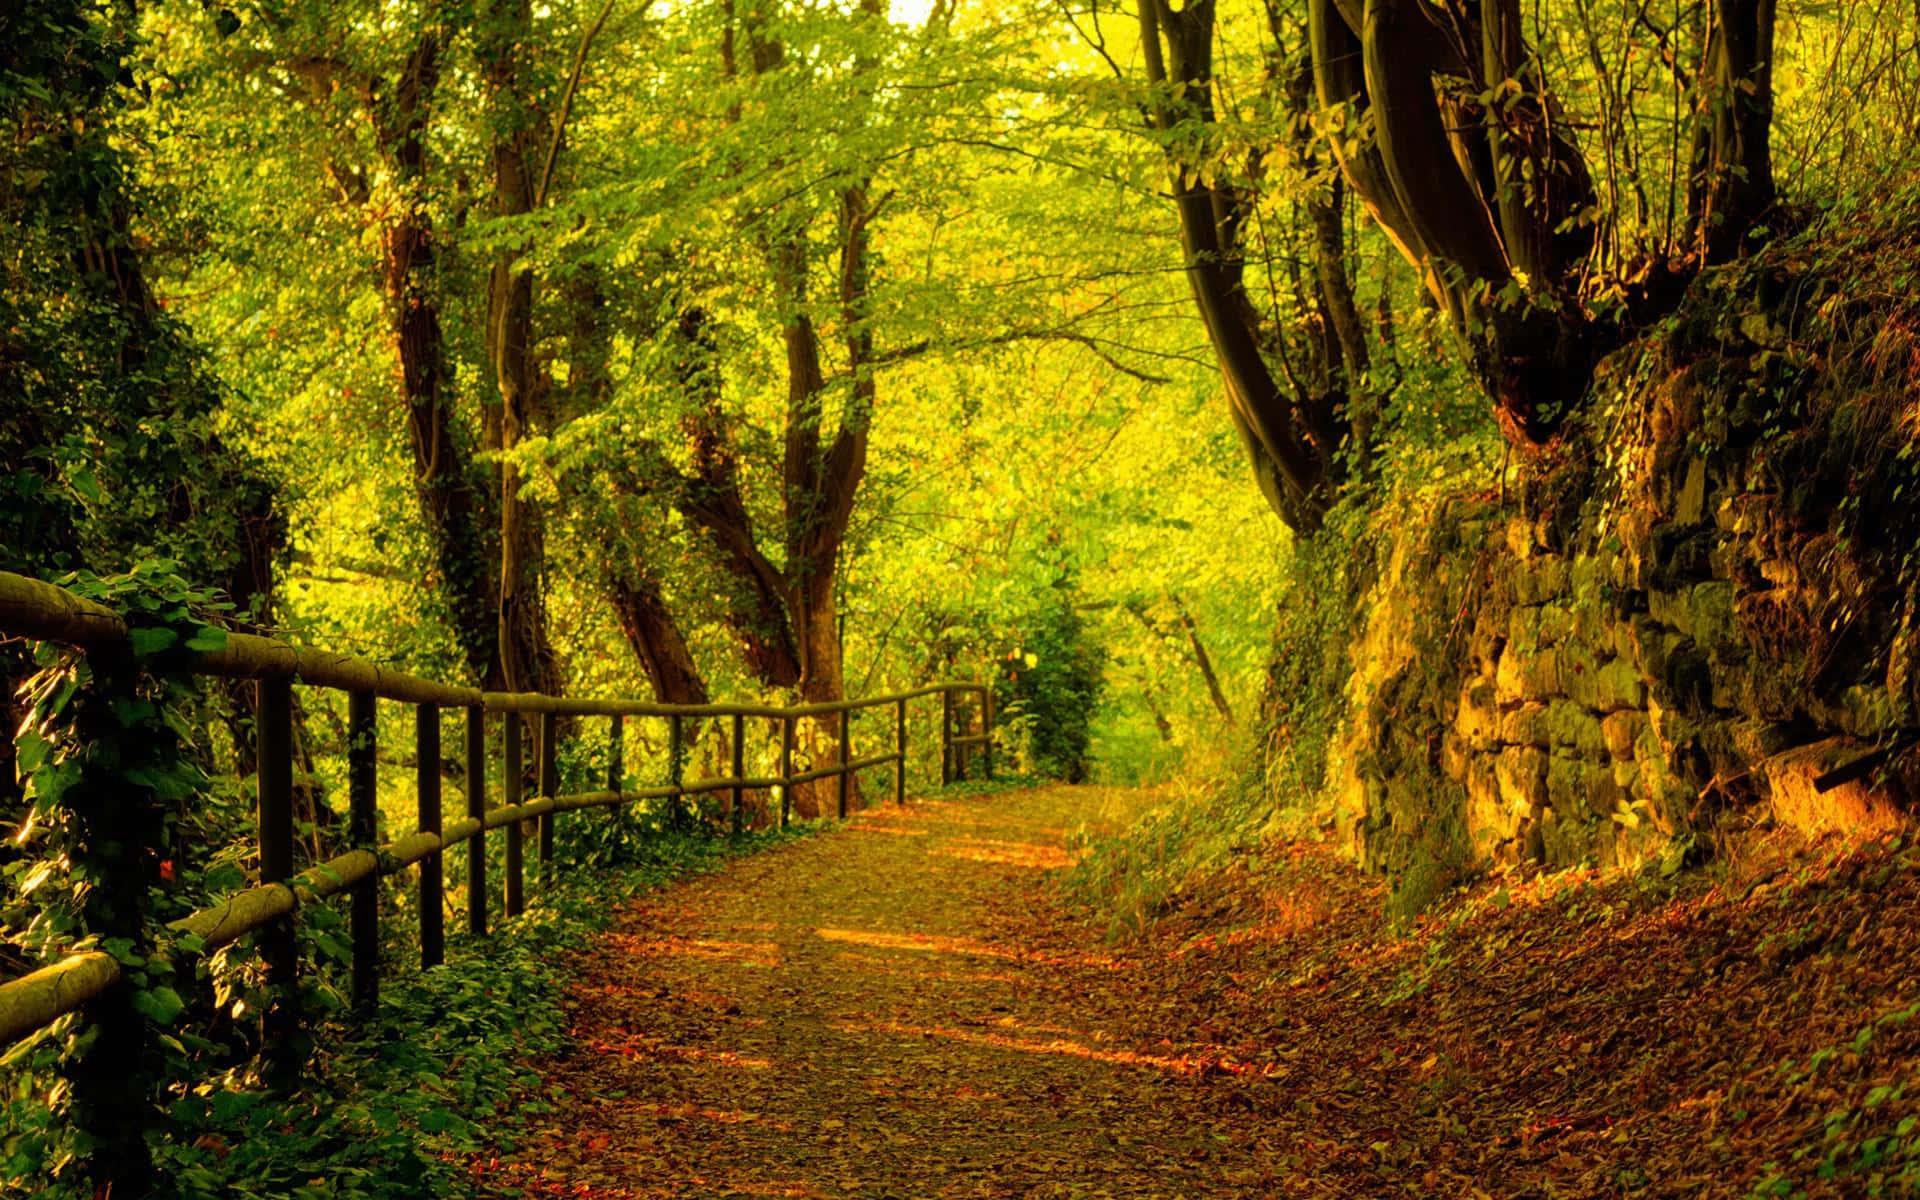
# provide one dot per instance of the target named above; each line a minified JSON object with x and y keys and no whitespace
{"x":31,"y":608}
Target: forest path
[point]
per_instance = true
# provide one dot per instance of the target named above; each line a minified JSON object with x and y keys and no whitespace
{"x":901,"y":1009}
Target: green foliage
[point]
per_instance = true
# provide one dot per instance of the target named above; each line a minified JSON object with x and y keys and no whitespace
{"x":441,"y":1070}
{"x":112,"y":843}
{"x":110,"y":429}
{"x":387,"y":1104}
{"x":1049,"y":687}
{"x":1198,"y":826}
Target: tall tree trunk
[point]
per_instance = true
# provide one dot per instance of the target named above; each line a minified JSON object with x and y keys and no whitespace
{"x":631,"y":587}
{"x":452,"y":505}
{"x":1292,"y":441}
{"x":527,"y":658}
{"x":1732,"y":185}
{"x":1492,"y":202}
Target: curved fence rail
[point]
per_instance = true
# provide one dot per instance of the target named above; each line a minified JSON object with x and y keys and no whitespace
{"x":32,"y":609}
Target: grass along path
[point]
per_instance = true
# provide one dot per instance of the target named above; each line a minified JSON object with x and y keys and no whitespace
{"x":909,"y":1009}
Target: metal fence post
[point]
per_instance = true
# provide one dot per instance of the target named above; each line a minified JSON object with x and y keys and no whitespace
{"x":900,"y":749}
{"x":510,"y":791}
{"x":274,"y":718}
{"x":477,"y":809}
{"x":549,"y":776}
{"x":433,"y":934}
{"x":739,"y":772}
{"x":362,"y":833}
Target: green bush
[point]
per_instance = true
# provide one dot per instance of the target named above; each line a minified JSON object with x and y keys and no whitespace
{"x":1048,"y":689}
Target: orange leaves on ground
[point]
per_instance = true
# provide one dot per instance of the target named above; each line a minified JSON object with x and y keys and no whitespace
{"x":874,"y":1015}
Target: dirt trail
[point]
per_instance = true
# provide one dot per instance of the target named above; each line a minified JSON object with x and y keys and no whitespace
{"x":904,"y":1009}
{"x":897,"y":1010}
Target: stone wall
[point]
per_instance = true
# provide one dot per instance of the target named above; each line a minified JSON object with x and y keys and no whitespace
{"x":1705,"y":605}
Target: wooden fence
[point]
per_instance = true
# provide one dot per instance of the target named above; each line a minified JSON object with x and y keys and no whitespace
{"x":29,"y":608}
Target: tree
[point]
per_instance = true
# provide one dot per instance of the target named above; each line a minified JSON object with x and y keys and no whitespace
{"x":457,"y":512}
{"x":1447,"y":125}
{"x":1305,"y":427}
{"x":504,"y":33}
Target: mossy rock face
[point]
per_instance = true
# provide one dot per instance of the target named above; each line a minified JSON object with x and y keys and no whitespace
{"x":1573,"y":726}
{"x":1478,"y":719}
{"x":1619,"y":687}
{"x":1523,"y":678}
{"x":1522,"y":775}
{"x":1620,"y":730}
{"x":1612,"y":659}
{"x":1685,"y":679}
{"x":1542,"y":580}
{"x":1525,"y":725}
{"x":1678,"y":555}
{"x":1712,"y":617}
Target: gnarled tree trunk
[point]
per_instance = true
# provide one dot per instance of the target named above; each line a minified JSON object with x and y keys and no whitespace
{"x":1472,"y":173}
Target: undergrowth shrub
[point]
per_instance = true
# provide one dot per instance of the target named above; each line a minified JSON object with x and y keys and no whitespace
{"x":395,"y":1102}
{"x":1049,"y":688}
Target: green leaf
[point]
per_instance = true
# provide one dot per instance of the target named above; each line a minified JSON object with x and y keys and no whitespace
{"x":209,"y":639}
{"x":29,"y":750}
{"x":151,"y":640}
{"x":161,"y":1005}
{"x":87,"y":486}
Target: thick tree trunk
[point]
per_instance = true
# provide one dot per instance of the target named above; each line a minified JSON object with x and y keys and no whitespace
{"x":1286,"y":436}
{"x":656,"y":640}
{"x":1732,"y":185}
{"x":1487,"y":199}
{"x":452,"y":506}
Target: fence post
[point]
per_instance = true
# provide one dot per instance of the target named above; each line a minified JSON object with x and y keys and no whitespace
{"x":510,"y":791}
{"x":786,"y":768}
{"x":362,"y":807}
{"x":109,"y":1075}
{"x":274,"y":717}
{"x":959,"y":751}
{"x":946,"y":738}
{"x":426,"y":742}
{"x":549,"y":775}
{"x":739,"y":771}
{"x":846,"y":747}
{"x":900,"y":749}
{"x":986,"y":727}
{"x":677,"y":815}
{"x":617,"y":754}
{"x":477,"y":809}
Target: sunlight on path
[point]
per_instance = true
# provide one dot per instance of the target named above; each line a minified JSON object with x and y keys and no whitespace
{"x":901,"y":1009}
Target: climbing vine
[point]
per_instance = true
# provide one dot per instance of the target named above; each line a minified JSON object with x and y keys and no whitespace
{"x":109,"y":849}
